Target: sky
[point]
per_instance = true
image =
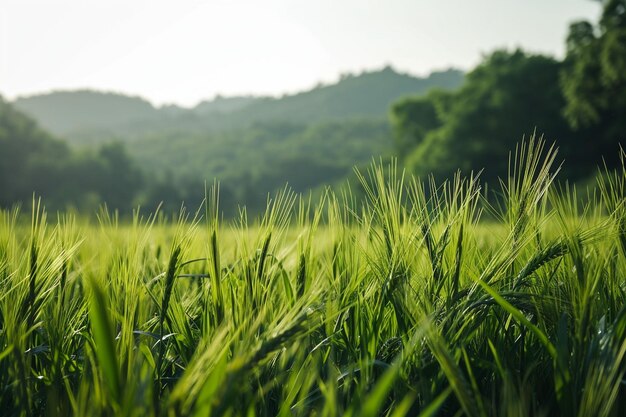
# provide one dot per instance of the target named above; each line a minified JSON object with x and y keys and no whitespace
{"x":184,"y":51}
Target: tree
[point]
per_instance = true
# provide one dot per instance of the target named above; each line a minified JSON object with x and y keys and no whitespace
{"x":32,"y":162}
{"x":119,"y":180}
{"x":594,"y":79}
{"x":510,"y":94}
{"x":413,"y":117}
{"x":28,"y":155}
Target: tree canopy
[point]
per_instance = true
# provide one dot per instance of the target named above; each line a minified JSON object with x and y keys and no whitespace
{"x":579,"y":103}
{"x":510,"y":94}
{"x":594,"y":79}
{"x":32,"y":162}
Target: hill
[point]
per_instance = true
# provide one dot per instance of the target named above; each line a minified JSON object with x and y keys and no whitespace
{"x":26,"y":152}
{"x":68,"y":112}
{"x":224,"y":105}
{"x":253,"y":145}
{"x":85,"y":117}
{"x":32,"y":161}
{"x":369,"y":94}
{"x":252,"y":161}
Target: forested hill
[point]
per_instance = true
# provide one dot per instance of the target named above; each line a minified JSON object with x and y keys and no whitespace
{"x":253,"y":145}
{"x":90,"y":116}
{"x":67,"y":112}
{"x":354,"y":96}
{"x":33,"y":162}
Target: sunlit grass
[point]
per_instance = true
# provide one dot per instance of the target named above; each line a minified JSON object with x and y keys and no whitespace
{"x":428,"y":299}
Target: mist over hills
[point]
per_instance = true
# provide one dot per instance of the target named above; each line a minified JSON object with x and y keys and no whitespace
{"x":68,"y":112}
{"x":224,"y":105}
{"x":87,"y":117}
{"x":253,"y":145}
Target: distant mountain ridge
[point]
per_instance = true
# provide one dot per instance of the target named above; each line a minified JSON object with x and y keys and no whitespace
{"x":224,"y":105}
{"x":62,"y":112}
{"x":86,"y":116}
{"x":368,"y":94}
{"x":252,"y":144}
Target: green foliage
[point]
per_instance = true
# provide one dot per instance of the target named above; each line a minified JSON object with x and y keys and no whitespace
{"x":26,"y":154}
{"x":508,"y":95}
{"x":594,"y":79}
{"x":252,"y":162}
{"x":32,"y":161}
{"x":88,"y":117}
{"x":368,"y":94}
{"x":412,"y":118}
{"x":253,"y":145}
{"x":579,"y":104}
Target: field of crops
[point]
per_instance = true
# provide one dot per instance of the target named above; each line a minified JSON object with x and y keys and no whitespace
{"x":426,"y":300}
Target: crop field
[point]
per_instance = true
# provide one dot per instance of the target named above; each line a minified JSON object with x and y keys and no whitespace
{"x":424,"y":300}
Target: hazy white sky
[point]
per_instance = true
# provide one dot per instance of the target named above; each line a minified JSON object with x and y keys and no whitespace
{"x":182,"y":51}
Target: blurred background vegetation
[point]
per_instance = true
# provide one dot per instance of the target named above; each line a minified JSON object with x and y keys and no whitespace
{"x":80,"y":149}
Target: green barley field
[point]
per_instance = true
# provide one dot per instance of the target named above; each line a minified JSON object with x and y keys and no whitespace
{"x":424,"y":300}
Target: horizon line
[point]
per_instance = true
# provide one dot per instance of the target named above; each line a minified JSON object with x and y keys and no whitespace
{"x":216,"y":96}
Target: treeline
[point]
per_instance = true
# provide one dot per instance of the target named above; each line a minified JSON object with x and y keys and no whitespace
{"x":86,"y":117}
{"x":252,"y":145}
{"x":167,"y":170}
{"x":32,"y":162}
{"x":254,"y":161}
{"x":579,"y":103}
